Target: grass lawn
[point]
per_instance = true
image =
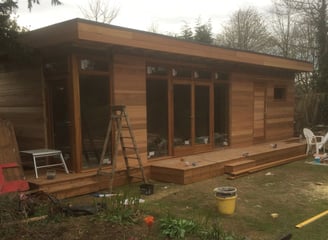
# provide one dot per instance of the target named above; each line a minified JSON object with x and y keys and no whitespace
{"x":296,"y":192}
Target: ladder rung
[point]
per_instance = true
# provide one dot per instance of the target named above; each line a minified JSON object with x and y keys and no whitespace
{"x":132,"y":157}
{"x":130,"y":148}
{"x":135,"y":176}
{"x":119,"y":121}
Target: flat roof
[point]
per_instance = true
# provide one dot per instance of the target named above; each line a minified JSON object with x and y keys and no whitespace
{"x":84,"y":31}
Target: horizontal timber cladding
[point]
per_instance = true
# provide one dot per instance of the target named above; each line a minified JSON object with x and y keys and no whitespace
{"x":241,"y":110}
{"x":129,"y":88}
{"x":22,"y":104}
{"x":279,"y":114}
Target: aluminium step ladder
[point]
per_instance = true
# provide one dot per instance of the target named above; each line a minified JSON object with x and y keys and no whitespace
{"x":120,"y":129}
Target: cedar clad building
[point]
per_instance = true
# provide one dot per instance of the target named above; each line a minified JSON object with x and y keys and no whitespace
{"x":182,"y":97}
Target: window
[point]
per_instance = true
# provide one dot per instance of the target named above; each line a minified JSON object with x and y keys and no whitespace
{"x":157,"y":70}
{"x":279,"y":93}
{"x":88,"y":64}
{"x":221,"y":76}
{"x":55,"y":66}
{"x":182,"y":73}
{"x":204,"y":75}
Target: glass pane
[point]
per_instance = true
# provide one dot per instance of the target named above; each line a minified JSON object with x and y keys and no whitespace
{"x":94,"y":99}
{"x":202,"y":114}
{"x":182,"y":115}
{"x":221,"y":76}
{"x":61,"y":121}
{"x":55,"y":66}
{"x":182,"y":73}
{"x":157,"y":71}
{"x":203,"y":75}
{"x":157,"y":118}
{"x":93,"y":65}
{"x":221,"y":114}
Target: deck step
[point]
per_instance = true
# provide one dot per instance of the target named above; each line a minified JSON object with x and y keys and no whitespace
{"x":239,"y":165}
{"x":265,"y":166}
{"x":81,"y":185}
{"x":71,"y":189}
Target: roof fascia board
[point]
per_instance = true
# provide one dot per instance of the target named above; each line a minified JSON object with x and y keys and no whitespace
{"x":138,"y":39}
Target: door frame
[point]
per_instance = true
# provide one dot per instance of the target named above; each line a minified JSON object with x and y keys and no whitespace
{"x":192,"y":147}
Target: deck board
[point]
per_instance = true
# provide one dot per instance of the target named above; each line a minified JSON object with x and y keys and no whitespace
{"x":179,"y":170}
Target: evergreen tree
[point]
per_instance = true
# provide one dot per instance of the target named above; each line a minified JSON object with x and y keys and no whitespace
{"x":187,"y":32}
{"x":9,"y":29}
{"x":203,"y":32}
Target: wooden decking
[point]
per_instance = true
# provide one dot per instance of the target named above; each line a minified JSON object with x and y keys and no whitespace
{"x":183,"y":170}
{"x":207,"y":165}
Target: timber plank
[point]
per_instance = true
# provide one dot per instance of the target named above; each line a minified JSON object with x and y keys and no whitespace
{"x":241,"y":164}
{"x":267,"y":165}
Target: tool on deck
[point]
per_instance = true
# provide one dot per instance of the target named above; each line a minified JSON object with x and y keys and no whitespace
{"x":120,"y":129}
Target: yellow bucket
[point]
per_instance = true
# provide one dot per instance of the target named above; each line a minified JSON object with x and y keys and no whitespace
{"x":226,"y":199}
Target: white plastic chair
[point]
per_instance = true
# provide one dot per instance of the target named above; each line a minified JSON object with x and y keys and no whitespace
{"x":313,"y":140}
{"x":323,"y":143}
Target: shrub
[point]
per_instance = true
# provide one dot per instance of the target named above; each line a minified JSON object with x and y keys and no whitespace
{"x":177,"y":228}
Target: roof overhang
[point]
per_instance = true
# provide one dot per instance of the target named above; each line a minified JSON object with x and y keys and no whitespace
{"x":84,"y":31}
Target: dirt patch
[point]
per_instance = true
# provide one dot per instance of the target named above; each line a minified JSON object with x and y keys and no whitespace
{"x":316,"y":191}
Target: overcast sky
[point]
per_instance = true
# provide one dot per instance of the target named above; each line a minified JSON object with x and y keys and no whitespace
{"x":167,"y":15}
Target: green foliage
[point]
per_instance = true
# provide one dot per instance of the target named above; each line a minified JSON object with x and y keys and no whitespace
{"x":8,"y":27}
{"x":9,"y":209}
{"x":177,"y":228}
{"x":187,"y":32}
{"x":120,"y":209}
{"x":202,"y":32}
{"x":214,"y":232}
{"x":31,"y":2}
{"x":10,"y":31}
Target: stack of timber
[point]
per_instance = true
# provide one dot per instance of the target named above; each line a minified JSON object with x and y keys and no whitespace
{"x":251,"y":164}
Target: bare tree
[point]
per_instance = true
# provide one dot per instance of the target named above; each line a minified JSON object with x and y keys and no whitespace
{"x":100,"y":11}
{"x":303,"y":26}
{"x":153,"y":28}
{"x":245,"y":30}
{"x":292,"y":33}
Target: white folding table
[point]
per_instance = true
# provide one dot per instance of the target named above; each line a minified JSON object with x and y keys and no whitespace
{"x":42,"y":153}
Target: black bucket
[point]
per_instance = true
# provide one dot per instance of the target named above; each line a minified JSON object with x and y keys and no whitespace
{"x":147,"y":189}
